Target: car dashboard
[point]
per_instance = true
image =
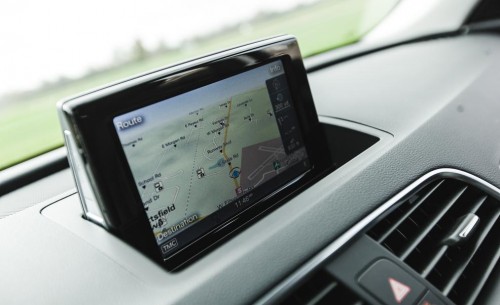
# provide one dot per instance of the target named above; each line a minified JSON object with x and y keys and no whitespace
{"x":399,"y":118}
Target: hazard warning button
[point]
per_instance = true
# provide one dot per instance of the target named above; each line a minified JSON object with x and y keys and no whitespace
{"x":391,"y":284}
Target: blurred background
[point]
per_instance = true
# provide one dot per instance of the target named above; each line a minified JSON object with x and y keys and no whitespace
{"x":53,"y":49}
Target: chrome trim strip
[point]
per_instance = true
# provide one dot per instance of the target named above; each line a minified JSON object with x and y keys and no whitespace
{"x":280,"y":290}
{"x":356,"y":126}
{"x":88,"y":198}
{"x":468,"y":228}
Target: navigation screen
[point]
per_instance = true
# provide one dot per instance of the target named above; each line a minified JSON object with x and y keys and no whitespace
{"x":201,"y":157}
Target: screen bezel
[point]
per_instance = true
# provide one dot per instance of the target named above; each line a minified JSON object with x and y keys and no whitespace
{"x":92,"y":117}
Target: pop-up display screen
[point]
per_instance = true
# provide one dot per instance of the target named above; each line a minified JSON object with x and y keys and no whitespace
{"x":201,"y":157}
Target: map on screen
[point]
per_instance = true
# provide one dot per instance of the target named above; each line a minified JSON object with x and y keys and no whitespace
{"x":195,"y":153}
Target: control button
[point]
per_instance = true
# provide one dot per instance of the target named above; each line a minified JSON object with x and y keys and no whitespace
{"x":391,"y":284}
{"x":431,"y":299}
{"x":399,"y":290}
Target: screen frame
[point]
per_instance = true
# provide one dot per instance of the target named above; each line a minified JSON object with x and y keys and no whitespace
{"x":90,"y":118}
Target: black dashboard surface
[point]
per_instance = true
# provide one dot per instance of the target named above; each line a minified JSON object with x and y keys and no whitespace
{"x":433,"y":104}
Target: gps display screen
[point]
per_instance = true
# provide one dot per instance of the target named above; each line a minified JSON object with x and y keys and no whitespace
{"x":201,"y":157}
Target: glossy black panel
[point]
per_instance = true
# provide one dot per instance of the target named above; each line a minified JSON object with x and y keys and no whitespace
{"x":91,"y":116}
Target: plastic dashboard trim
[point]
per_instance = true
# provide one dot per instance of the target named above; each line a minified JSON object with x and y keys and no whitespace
{"x":69,"y":215}
{"x":284,"y":286}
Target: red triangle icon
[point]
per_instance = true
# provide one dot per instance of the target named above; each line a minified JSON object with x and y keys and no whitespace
{"x":399,"y":290}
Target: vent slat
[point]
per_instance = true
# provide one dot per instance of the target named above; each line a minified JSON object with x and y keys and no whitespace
{"x":398,"y":241}
{"x":490,"y":294}
{"x":427,"y":254}
{"x":328,"y":289}
{"x":462,"y":265}
{"x":435,"y":259}
{"x":477,"y":205}
{"x":408,"y":213}
{"x":422,"y":233}
{"x":410,"y":247}
{"x":318,"y":289}
{"x":480,"y":284}
{"x":480,"y":267}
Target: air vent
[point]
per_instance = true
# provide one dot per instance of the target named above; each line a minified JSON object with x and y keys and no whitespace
{"x":321,"y":288}
{"x":449,"y":233}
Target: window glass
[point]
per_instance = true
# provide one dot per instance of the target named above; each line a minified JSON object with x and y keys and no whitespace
{"x":53,"y":49}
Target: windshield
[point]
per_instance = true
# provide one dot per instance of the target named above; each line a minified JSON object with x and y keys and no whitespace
{"x":53,"y":49}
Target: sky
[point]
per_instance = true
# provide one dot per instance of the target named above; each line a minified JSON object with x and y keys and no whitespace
{"x":43,"y":40}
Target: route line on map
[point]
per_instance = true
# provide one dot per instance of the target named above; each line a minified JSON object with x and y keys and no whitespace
{"x":224,"y":143}
{"x":192,"y":174}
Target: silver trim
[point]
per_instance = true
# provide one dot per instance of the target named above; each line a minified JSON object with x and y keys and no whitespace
{"x":468,"y":228}
{"x":88,"y":200}
{"x":283,"y":287}
{"x":356,"y":126}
